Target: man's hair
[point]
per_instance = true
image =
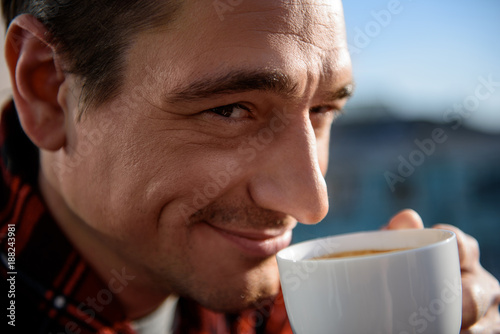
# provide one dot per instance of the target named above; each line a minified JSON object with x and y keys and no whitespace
{"x":92,"y":36}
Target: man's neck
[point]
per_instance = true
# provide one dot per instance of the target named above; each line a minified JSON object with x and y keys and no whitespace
{"x":137,"y":297}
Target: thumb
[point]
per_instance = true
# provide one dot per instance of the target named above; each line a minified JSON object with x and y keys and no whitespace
{"x":405,"y":219}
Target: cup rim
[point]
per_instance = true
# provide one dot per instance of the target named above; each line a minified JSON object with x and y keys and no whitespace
{"x":450,"y":236}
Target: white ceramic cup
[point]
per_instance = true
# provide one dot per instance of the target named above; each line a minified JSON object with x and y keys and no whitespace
{"x":417,"y":290}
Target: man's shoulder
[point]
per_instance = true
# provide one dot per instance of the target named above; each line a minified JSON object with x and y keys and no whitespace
{"x":54,"y":288}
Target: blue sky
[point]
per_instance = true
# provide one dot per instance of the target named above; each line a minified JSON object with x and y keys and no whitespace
{"x":426,"y":57}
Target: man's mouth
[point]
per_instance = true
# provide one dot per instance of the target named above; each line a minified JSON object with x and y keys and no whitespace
{"x":263,"y":243}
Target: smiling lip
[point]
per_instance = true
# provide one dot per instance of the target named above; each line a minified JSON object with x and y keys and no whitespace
{"x":262,"y":244}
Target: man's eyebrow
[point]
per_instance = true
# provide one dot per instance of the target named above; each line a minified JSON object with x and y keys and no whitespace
{"x":234,"y":82}
{"x":243,"y":81}
{"x":344,"y":92}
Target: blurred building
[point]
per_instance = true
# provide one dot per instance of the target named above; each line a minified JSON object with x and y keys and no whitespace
{"x":378,"y":168}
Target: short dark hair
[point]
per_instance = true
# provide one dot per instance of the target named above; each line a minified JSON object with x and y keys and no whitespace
{"x":92,"y":36}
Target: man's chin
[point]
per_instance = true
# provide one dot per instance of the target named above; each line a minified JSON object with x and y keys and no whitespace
{"x":238,"y":299}
{"x":244,"y":303}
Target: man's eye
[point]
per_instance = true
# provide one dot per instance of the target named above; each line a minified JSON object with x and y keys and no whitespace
{"x":234,"y":110}
{"x":327,"y":110}
{"x":321,"y":109}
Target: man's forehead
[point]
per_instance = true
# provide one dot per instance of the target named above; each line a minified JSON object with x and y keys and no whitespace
{"x":305,"y":19}
{"x":295,"y":15}
{"x":295,"y":38}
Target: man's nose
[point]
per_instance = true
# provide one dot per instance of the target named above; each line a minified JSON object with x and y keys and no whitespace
{"x":289,"y":178}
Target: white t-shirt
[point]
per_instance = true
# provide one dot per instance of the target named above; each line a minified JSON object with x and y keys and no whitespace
{"x":160,"y":321}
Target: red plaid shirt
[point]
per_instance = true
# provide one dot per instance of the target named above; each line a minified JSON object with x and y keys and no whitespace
{"x":56,"y":291}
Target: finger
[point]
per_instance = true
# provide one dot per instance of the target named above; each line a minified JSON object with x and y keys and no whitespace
{"x":406,"y":219}
{"x":468,"y":248}
{"x":489,"y":324}
{"x":481,"y":296}
{"x":475,"y":300}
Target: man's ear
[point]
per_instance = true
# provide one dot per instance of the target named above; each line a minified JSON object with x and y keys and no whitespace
{"x":36,"y":78}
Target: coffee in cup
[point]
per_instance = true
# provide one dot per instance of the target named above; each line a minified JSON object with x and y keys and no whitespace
{"x":364,"y":252}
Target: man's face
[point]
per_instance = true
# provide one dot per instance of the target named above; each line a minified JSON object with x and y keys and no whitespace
{"x":196,"y":173}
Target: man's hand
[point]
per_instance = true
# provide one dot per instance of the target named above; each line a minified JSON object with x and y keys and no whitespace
{"x":480,"y":290}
